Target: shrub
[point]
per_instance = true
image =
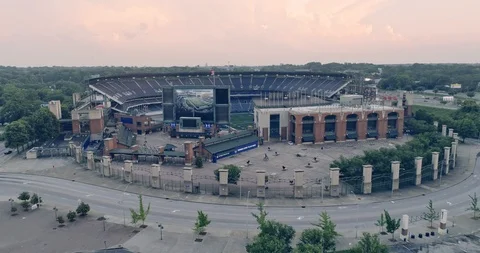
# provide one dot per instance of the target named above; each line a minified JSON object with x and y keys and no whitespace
{"x":233,"y":173}
{"x":71,"y":215}
{"x":198,"y":162}
{"x":83,"y":209}
{"x":60,"y":220}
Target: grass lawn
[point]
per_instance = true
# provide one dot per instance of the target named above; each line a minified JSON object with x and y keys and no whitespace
{"x":433,"y":110}
{"x":241,"y":121}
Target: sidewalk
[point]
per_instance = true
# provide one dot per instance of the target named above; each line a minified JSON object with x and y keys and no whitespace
{"x":65,"y":168}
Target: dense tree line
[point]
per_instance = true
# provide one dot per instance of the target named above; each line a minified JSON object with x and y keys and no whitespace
{"x":41,"y":125}
{"x":430,"y":76}
{"x":465,"y":121}
{"x":422,"y":145}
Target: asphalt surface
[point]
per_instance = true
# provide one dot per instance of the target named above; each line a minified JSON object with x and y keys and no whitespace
{"x":64,"y":193}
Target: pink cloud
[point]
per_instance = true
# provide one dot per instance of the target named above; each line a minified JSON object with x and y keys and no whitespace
{"x":186,"y":32}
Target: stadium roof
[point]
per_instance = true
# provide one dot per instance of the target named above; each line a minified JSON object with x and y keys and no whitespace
{"x":218,"y":73}
{"x":136,"y":89}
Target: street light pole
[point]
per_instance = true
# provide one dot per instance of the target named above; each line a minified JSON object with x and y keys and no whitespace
{"x":248,"y":197}
{"x":160,"y":226}
{"x":55,"y":209}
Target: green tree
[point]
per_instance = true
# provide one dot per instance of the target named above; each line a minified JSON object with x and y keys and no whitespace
{"x":311,"y":240}
{"x":392,"y":224}
{"x":233,"y":173}
{"x":466,"y":128}
{"x":370,"y":243}
{"x":201,"y":223}
{"x":83,"y":209}
{"x":35,"y":199}
{"x":198,"y":162}
{"x":262,"y":214}
{"x":60,"y":220}
{"x":273,"y":237}
{"x":431,"y":214}
{"x":268,"y":243}
{"x":381,"y":223}
{"x":71,"y":215}
{"x":17,"y":134}
{"x":24,"y":197}
{"x":471,"y":94}
{"x":474,"y":205}
{"x":329,"y":234}
{"x":142,"y":214}
{"x":44,"y":124}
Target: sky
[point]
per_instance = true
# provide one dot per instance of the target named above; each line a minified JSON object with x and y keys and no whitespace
{"x":237,"y":32}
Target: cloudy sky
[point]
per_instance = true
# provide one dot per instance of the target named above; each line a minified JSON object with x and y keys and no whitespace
{"x":242,"y":32}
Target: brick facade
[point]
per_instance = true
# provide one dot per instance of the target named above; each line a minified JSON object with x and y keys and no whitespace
{"x":341,"y":124}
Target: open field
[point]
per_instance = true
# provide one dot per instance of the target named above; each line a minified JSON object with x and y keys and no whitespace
{"x":241,"y":120}
{"x":439,"y":112}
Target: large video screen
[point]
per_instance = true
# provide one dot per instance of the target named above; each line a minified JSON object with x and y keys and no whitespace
{"x":194,"y":103}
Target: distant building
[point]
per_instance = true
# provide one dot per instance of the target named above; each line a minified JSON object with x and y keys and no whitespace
{"x":455,"y":86}
{"x":55,"y":107}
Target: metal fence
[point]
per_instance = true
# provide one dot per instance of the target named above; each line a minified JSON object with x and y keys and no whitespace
{"x":384,"y":182}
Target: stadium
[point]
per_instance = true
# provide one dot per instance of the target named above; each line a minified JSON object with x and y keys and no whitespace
{"x":297,"y":107}
{"x":129,"y":92}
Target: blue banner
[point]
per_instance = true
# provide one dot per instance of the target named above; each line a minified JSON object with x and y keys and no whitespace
{"x":236,"y":150}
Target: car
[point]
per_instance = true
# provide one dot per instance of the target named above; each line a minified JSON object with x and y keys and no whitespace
{"x":8,"y":152}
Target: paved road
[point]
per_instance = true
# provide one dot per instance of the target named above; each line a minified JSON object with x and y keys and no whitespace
{"x":64,"y":193}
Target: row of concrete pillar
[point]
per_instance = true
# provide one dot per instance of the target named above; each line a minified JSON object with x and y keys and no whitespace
{"x":334,"y":175}
{"x":442,"y":228}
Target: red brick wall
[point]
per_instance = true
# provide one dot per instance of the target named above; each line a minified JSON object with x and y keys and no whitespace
{"x":96,"y":126}
{"x":341,"y":125}
{"x":75,"y":126}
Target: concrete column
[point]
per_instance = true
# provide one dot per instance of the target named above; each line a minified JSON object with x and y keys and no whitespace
{"x":418,"y":169}
{"x":450,"y":132}
{"x":155,"y":171}
{"x":444,"y":130}
{"x":404,"y":226}
{"x":455,"y":136}
{"x":298,"y":176}
{"x":78,"y":154}
{"x":90,"y":160}
{"x":454,"y":154}
{"x":435,"y":123}
{"x":127,"y":170}
{"x":334,"y":182}
{"x":446,"y":156}
{"x":188,"y":145}
{"x":106,"y":163}
{"x":442,"y":229}
{"x":367,"y":179}
{"x":261,"y":183}
{"x":187,"y":179}
{"x":395,"y":175}
{"x":71,"y":148}
{"x":223,"y":174}
{"x":435,"y":156}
